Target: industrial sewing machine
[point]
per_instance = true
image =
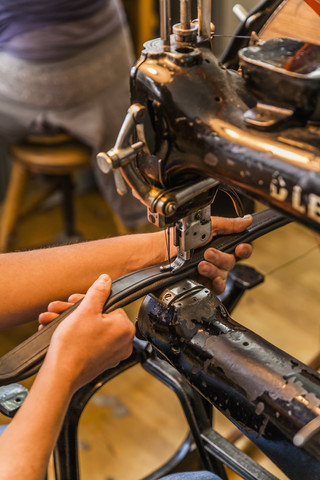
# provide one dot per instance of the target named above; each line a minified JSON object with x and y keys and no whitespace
{"x":195,"y":127}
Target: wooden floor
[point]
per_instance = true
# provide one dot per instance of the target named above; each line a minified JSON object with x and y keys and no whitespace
{"x":134,"y":423}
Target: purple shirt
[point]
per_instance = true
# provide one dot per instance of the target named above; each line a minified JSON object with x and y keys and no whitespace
{"x":52,"y":30}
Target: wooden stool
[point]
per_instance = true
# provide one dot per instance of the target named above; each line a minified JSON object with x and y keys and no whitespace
{"x":57,"y":155}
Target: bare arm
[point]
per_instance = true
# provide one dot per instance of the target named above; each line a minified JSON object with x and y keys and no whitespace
{"x":214,"y":267}
{"x":26,"y":445}
{"x":30,"y":280}
{"x":101,"y":341}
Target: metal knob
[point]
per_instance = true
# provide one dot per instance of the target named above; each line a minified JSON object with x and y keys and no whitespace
{"x":104,"y":162}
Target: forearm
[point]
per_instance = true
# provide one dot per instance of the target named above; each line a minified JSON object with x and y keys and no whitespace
{"x":30,"y":280}
{"x":26,"y":444}
{"x":87,"y":343}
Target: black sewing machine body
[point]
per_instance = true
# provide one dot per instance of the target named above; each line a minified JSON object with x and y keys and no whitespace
{"x":267,"y":393}
{"x":257,"y":131}
{"x":205,"y":120}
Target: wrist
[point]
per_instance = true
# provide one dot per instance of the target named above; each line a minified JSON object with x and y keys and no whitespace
{"x":58,"y":375}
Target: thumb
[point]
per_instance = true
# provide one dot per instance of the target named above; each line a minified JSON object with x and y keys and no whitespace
{"x":222,"y":225}
{"x":97,"y":294}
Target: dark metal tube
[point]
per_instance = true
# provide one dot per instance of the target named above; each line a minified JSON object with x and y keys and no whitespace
{"x":266,"y":392}
{"x":185,"y":13}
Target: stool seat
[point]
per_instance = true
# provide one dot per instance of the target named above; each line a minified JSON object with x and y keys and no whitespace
{"x":55,"y":155}
{"x":58,"y":155}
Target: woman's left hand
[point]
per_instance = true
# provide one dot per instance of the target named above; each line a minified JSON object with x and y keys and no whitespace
{"x":56,"y":308}
{"x":217,"y":264}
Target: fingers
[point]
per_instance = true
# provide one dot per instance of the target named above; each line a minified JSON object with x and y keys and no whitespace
{"x":124,"y":328}
{"x":75,"y":297}
{"x":243,"y":250}
{"x":45,"y":318}
{"x":97,"y":295}
{"x":215,"y":267}
{"x":227,"y":261}
{"x":221,"y":225}
{"x":58,"y":306}
{"x":54,"y":310}
{"x":95,"y":298}
{"x":219,"y":285}
{"x":221,"y":260}
{"x":217,"y":276}
{"x":217,"y":264}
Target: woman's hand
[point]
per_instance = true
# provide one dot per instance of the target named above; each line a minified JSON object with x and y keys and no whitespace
{"x":56,"y":308}
{"x":88,"y":341}
{"x":216,"y":264}
{"x":214,"y":267}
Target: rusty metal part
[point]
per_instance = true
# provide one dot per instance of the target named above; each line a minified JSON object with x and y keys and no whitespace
{"x":267,"y":393}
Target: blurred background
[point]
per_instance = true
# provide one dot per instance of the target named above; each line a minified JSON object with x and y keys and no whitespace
{"x":134,"y":424}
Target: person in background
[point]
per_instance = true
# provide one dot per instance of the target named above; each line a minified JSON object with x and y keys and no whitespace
{"x":87,"y":341}
{"x":64,"y":65}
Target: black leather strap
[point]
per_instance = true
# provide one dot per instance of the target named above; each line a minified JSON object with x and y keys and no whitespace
{"x":26,"y":358}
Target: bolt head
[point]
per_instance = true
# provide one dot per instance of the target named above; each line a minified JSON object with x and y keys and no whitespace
{"x":171,"y":207}
{"x":104,"y":162}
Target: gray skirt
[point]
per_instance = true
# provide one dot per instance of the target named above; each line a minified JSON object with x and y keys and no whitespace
{"x":86,"y":95}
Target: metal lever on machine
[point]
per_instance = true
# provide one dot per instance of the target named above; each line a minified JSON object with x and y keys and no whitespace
{"x":123,"y":152}
{"x":166,"y":206}
{"x":116,"y":158}
{"x":204,"y":17}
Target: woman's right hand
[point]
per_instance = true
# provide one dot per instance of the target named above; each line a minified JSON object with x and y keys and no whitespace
{"x":88,"y":341}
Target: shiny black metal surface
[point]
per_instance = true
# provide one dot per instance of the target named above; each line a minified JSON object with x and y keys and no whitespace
{"x":256,"y":19}
{"x":196,"y":127}
{"x":267,"y":393}
{"x":290,"y":64}
{"x":212,"y":451}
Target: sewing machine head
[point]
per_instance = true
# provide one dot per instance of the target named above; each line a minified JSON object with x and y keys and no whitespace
{"x":194,"y":125}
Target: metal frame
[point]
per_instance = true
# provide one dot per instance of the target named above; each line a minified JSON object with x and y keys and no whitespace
{"x":212,"y":450}
{"x":203,"y":448}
